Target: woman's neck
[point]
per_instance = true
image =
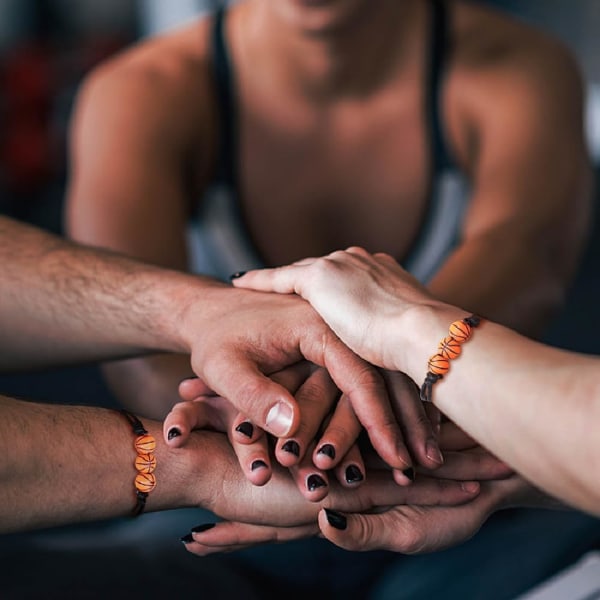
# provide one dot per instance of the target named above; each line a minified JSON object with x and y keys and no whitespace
{"x":342,"y":50}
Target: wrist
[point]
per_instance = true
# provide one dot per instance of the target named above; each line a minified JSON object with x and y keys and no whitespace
{"x":178,"y":472}
{"x":417,"y":332}
{"x":184,"y":303}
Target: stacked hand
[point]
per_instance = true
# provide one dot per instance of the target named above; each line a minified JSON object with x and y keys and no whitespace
{"x":422,"y":516}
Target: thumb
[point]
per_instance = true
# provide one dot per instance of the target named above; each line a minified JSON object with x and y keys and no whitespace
{"x":260,"y":399}
{"x":355,"y":532}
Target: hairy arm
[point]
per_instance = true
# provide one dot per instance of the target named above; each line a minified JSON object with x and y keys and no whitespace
{"x":62,"y":303}
{"x":521,"y":139}
{"x":128,"y":191}
{"x":66,"y":464}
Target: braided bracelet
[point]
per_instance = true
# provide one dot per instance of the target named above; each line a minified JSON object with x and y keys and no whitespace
{"x":145,"y":462}
{"x":448,"y":349}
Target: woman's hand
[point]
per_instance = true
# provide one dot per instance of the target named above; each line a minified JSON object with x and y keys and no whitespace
{"x":326,"y":438}
{"x":358,"y":294}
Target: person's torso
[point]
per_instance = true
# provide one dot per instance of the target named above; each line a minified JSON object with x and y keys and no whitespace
{"x":371,"y":172}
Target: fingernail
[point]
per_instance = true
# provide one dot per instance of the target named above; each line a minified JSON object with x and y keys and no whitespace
{"x":327,"y":450}
{"x":173,"y":433}
{"x":471,"y":487}
{"x":336,"y":519}
{"x":353,"y":474}
{"x":292,"y":447}
{"x":187,"y":539}
{"x":246,"y":428}
{"x":189,"y":379}
{"x":314,"y":482}
{"x":432,"y":451}
{"x":237,"y":275}
{"x":258,"y":464}
{"x":279,"y":419}
{"x":410,"y":473}
{"x":203,"y":527}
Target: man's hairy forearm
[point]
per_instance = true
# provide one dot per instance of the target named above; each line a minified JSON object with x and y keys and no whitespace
{"x":63,"y":464}
{"x":62,"y":303}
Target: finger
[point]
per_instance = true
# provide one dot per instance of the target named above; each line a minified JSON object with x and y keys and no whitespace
{"x":339,"y":435}
{"x":264,"y":401}
{"x":476,"y":464}
{"x":231,"y":536}
{"x":435,"y":417}
{"x":199,"y":413}
{"x":253,"y":453}
{"x":356,"y":532}
{"x":419,"y":435}
{"x":192,"y":388}
{"x":380,"y":490}
{"x":282,"y":280}
{"x":243,"y":430}
{"x":312,"y":482}
{"x":452,"y":437}
{"x":216,"y":413}
{"x":350,"y":471}
{"x":315,"y":397}
{"x":367,"y":394}
{"x":405,"y":529}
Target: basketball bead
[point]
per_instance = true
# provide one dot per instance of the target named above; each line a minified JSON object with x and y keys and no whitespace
{"x":438,"y":364}
{"x":460,"y":331}
{"x":145,"y":463}
{"x":145,"y":444}
{"x":449,"y":347}
{"x":145,"y":482}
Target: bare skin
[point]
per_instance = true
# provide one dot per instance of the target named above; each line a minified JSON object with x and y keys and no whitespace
{"x":333,"y":151}
{"x":332,"y":141}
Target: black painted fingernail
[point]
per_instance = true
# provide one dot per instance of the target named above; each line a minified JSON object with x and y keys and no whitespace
{"x":173,"y":433}
{"x":187,"y":539}
{"x":315,"y":482}
{"x":203,"y":527}
{"x":327,"y":450}
{"x":259,"y":464}
{"x":336,"y":519}
{"x":237,"y":275}
{"x":246,"y":428}
{"x":353,"y":474}
{"x":292,"y":447}
{"x":410,"y":473}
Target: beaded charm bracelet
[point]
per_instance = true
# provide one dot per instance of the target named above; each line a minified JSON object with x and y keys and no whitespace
{"x":448,"y":349}
{"x":145,"y":462}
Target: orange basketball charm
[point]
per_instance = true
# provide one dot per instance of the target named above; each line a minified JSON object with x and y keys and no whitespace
{"x":438,"y":364}
{"x":145,"y":444}
{"x":145,"y":482}
{"x":460,"y":331}
{"x":449,"y":347}
{"x":145,"y":463}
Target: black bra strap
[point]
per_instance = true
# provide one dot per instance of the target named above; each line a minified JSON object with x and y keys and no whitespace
{"x":440,"y":47}
{"x":226,"y":170}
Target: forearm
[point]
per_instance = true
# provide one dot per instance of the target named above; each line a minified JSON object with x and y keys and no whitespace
{"x":62,"y":303}
{"x":535,"y":407}
{"x":66,"y":464}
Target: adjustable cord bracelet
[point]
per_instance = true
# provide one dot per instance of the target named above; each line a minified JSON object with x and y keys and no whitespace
{"x":145,"y":462}
{"x":448,"y":349}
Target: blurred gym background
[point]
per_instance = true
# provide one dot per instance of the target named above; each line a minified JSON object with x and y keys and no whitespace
{"x":46,"y":48}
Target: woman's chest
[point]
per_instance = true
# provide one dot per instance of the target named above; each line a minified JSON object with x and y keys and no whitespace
{"x":354,"y":177}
